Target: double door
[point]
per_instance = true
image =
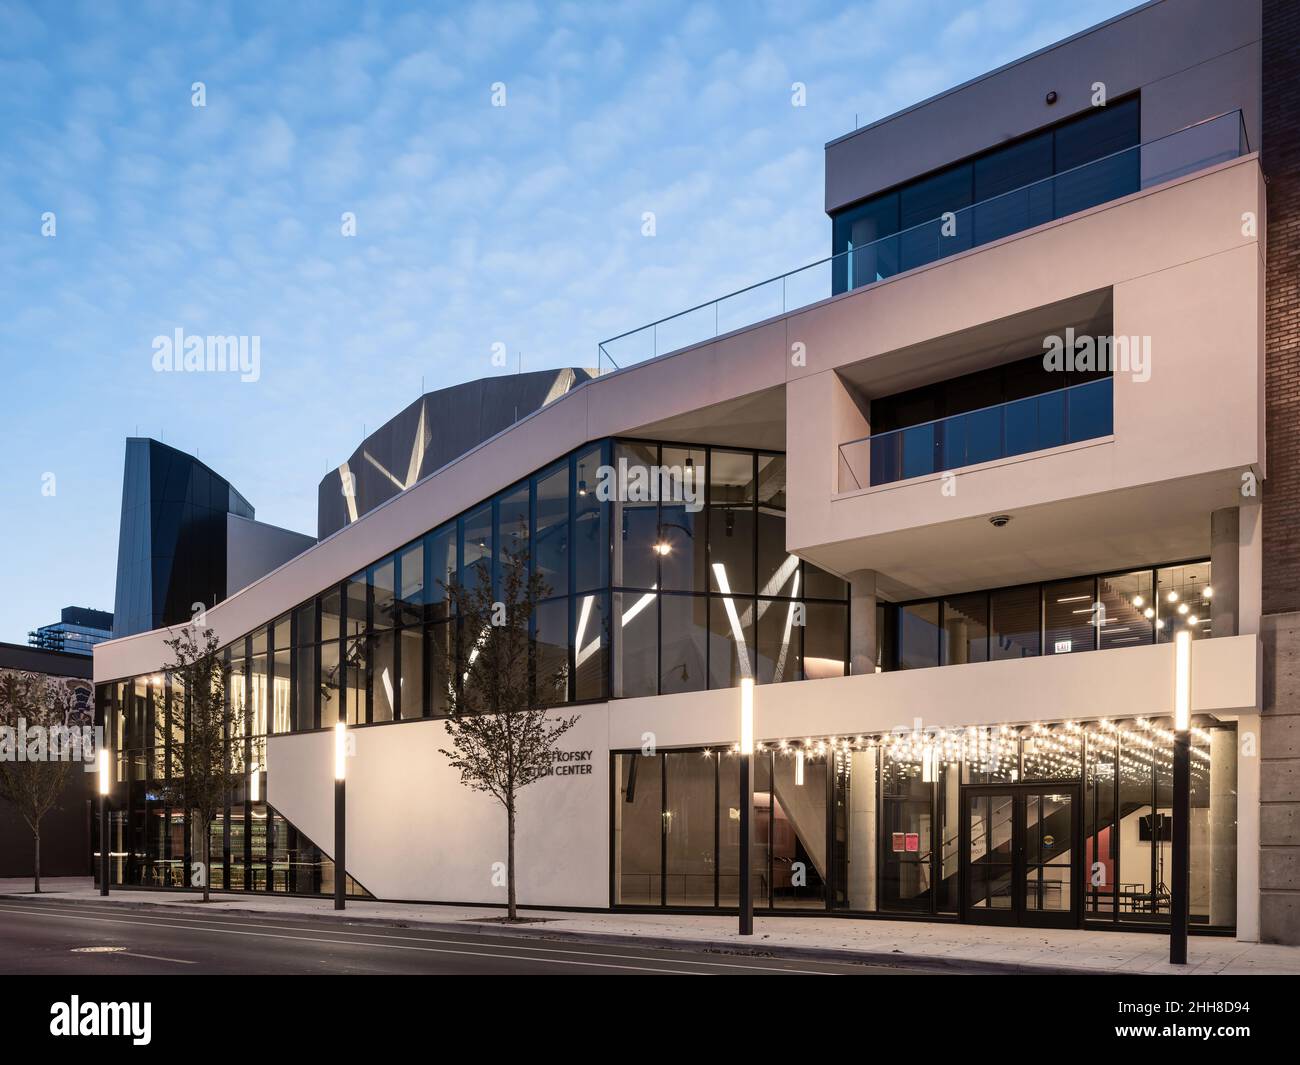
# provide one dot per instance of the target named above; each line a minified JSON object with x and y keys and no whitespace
{"x":1021,"y":857}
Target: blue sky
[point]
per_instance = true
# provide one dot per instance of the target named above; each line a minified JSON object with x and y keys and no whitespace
{"x":475,"y":224}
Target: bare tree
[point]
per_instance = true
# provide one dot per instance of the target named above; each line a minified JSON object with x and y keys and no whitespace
{"x":206,"y":763}
{"x":35,"y":712}
{"x":502,"y":736}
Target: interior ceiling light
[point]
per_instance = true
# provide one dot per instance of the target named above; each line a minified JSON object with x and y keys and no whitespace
{"x":1183,"y":608}
{"x":1172,"y":597}
{"x":1207,"y":592}
{"x":1148,"y":613}
{"x":1138,"y":601}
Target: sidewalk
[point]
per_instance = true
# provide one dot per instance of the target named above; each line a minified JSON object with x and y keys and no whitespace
{"x":952,"y":947}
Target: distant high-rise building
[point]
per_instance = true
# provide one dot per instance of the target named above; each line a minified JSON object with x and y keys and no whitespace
{"x":76,"y":632}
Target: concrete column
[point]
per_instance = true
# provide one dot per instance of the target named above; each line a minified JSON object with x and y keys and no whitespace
{"x":863,"y":638}
{"x":1223,"y":826}
{"x":1225,"y":568}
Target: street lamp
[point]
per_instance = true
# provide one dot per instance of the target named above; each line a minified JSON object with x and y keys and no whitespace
{"x":340,"y":814}
{"x":1178,"y":907}
{"x":746,"y":805}
{"x":103,"y":820}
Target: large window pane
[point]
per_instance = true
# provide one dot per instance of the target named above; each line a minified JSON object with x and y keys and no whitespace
{"x":778,"y":571}
{"x":638,"y":830}
{"x":822,"y":585}
{"x":918,"y":635}
{"x":383,"y":678}
{"x":551,"y":624}
{"x":551,"y":543}
{"x":683,"y":552}
{"x":905,"y":876}
{"x":442,"y":673}
{"x":512,"y":525}
{"x":685,"y":637}
{"x":357,"y":593}
{"x":1127,"y":614}
{"x":476,"y":546}
{"x":591,"y":527}
{"x":731,"y":521}
{"x":1183,"y":596}
{"x":637,"y":618}
{"x":689,"y":826}
{"x":412,"y":652}
{"x":442,"y":567}
{"x":965,"y":629}
{"x":331,"y":683}
{"x":780,"y":652}
{"x":591,"y":645}
{"x":1068,"y":615}
{"x":825,"y":640}
{"x":1015,"y":623}
{"x":798,"y":827}
{"x":731,"y":640}
{"x":411,"y":594}
{"x":1100,"y":831}
{"x":383,"y":591}
{"x":637,"y":546}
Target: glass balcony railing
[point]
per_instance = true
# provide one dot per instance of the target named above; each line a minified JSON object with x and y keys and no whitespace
{"x":1066,"y":416}
{"x":1205,"y":144}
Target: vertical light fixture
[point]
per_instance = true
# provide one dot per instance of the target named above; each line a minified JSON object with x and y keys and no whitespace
{"x":798,"y":767}
{"x":1179,"y":907}
{"x":746,"y":805}
{"x":104,"y":784}
{"x":340,"y":815}
{"x":254,"y":783}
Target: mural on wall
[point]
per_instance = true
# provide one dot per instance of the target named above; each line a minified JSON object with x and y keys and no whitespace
{"x":78,"y":691}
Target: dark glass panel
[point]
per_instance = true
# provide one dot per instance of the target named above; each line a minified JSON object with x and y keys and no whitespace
{"x":411,"y":595}
{"x":825,"y":640}
{"x":591,"y":647}
{"x":638,"y":830}
{"x":685,"y":628}
{"x":551,"y":640}
{"x":1015,"y":623}
{"x":355,"y":621}
{"x":637,"y":621}
{"x":731,"y":521}
{"x":512,"y":523}
{"x":683,"y":554}
{"x":441,"y":636}
{"x":383,"y":591}
{"x":331,"y":614}
{"x":918,"y":635}
{"x":780,"y":655}
{"x":281,"y":690}
{"x":551,"y":541}
{"x":383,"y":677}
{"x":1089,"y":411}
{"x":965,"y":629}
{"x":778,"y":570}
{"x":305,"y":688}
{"x":637,"y":552}
{"x":926,"y":235}
{"x":1069,"y":614}
{"x":822,"y":585}
{"x":731,"y":640}
{"x":476,"y":541}
{"x":442,"y":567}
{"x":1128,"y":609}
{"x":690,"y":819}
{"x":591,"y":527}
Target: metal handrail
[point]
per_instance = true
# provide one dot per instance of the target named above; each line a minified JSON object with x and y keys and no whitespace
{"x":1243,"y":148}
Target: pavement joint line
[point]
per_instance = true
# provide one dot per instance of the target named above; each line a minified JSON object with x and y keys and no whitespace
{"x":945,"y":963}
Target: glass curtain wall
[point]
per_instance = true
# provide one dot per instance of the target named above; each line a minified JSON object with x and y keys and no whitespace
{"x":870,"y":824}
{"x":1104,"y":612}
{"x":704,"y":592}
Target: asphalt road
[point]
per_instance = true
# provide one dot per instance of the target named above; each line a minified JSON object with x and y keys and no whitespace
{"x":50,"y":937}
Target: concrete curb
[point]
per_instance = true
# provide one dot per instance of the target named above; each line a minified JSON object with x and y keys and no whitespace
{"x":936,"y":964}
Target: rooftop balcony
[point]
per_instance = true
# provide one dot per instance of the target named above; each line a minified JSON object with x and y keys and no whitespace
{"x":1197,"y":147}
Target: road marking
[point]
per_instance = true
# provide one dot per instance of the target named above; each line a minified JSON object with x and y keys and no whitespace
{"x":155,"y":957}
{"x":388,"y":946}
{"x":168,"y":921}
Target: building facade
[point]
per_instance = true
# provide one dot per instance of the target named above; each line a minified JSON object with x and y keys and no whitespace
{"x":76,"y":632}
{"x":947,"y":496}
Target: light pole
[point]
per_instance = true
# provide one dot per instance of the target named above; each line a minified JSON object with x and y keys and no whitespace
{"x":746,"y":805}
{"x":1178,"y":908}
{"x":340,"y":815}
{"x":103,"y":820}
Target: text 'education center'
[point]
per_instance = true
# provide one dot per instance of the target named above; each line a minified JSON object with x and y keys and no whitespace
{"x":954,"y":568}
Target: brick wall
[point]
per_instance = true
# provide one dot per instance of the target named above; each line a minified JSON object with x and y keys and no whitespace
{"x":1280,"y":632}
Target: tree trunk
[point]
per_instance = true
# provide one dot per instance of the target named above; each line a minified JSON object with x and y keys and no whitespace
{"x":36,"y":862}
{"x":510,"y":860}
{"x":207,"y":861}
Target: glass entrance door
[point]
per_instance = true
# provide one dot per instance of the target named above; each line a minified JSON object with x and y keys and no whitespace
{"x":1020,"y":854}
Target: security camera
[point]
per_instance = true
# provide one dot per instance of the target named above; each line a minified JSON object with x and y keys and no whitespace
{"x":999,"y":521}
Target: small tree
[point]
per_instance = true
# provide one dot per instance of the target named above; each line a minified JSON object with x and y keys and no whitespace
{"x":34,"y":782}
{"x":502,"y":736}
{"x":207,"y":763}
